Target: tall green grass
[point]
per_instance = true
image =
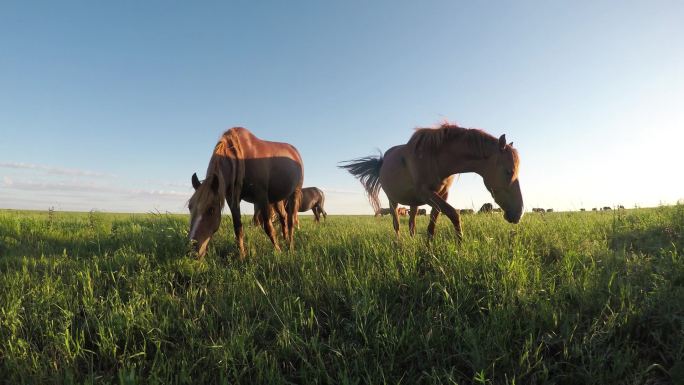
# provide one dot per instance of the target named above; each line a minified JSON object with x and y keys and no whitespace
{"x":563,"y":298}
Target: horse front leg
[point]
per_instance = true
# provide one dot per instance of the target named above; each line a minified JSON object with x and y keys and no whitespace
{"x":237,"y":227}
{"x":412,"y":220}
{"x":395,"y":216}
{"x":434,"y":215}
{"x":440,"y":204}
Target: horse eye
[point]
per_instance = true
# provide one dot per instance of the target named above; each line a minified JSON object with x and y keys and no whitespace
{"x":210,"y":211}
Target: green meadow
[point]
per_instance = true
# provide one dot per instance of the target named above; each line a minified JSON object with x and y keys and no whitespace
{"x":561,"y":298}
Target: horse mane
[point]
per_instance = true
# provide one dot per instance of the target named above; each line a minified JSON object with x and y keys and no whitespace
{"x":229,"y":149}
{"x":431,"y":139}
{"x":227,"y":157}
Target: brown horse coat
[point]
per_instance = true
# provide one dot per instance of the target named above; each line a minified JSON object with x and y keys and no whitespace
{"x":422,"y":170}
{"x":244,"y":167}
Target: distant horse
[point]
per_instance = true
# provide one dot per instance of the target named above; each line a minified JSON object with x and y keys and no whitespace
{"x":422,"y":212}
{"x":383,"y":212}
{"x":467,"y":211}
{"x":549,"y":210}
{"x":593,"y":209}
{"x":583,"y":210}
{"x":606,"y":208}
{"x":486,"y":208}
{"x":538,"y":210}
{"x":621,"y":207}
{"x":421,"y":171}
{"x":312,"y":199}
{"x":402,"y":211}
{"x":244,"y":167}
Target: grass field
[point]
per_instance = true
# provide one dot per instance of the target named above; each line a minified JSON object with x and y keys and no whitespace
{"x":567,"y":298}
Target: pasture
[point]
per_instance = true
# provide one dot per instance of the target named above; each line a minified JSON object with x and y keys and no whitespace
{"x":591,"y":297}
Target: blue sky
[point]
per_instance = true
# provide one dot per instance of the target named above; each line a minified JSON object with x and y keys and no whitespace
{"x":113,"y":105}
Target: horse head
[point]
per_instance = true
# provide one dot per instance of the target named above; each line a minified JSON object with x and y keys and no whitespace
{"x":500,"y":176}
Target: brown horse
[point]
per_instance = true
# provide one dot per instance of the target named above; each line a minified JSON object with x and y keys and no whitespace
{"x":244,"y":167}
{"x":422,"y":170}
{"x":486,"y":208}
{"x":313,"y":199}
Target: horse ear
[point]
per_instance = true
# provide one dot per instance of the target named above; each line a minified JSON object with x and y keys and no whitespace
{"x":502,"y":142}
{"x":510,"y":144}
{"x":195,"y":182}
{"x":214,"y":183}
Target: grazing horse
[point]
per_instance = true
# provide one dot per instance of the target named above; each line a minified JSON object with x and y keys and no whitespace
{"x":486,"y":208}
{"x":538,"y":210}
{"x":312,"y":199}
{"x":244,"y":167}
{"x":422,"y":170}
{"x":403,"y":211}
{"x":422,"y":212}
{"x":383,"y":212}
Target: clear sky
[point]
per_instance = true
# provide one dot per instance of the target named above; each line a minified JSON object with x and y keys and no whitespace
{"x":113,"y":105}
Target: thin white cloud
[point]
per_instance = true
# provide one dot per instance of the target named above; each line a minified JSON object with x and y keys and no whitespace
{"x":52,"y":170}
{"x":68,"y":186}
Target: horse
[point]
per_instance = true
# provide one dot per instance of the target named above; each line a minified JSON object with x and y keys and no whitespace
{"x":244,"y":167}
{"x":486,"y":208}
{"x":422,"y":212}
{"x":422,"y":170}
{"x":382,"y":212}
{"x":466,"y":211}
{"x":402,"y":211}
{"x":312,"y":199}
{"x":538,"y":210}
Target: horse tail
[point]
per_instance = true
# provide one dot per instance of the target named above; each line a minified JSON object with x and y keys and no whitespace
{"x":367,"y":170}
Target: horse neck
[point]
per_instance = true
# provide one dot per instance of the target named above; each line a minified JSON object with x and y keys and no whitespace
{"x":461,"y":157}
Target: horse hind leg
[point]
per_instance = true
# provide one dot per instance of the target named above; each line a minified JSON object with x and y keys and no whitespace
{"x":317,"y":214}
{"x":282,"y":217}
{"x":292,"y":214}
{"x":412,"y":220}
{"x":265,"y":212}
{"x":395,"y":216}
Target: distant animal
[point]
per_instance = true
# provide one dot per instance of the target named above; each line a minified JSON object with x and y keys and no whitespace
{"x":594,"y":209}
{"x":606,"y":208}
{"x":244,"y":167}
{"x":467,"y":211}
{"x":422,"y":212}
{"x":383,"y":212}
{"x":312,"y":199}
{"x":486,"y":208}
{"x":549,"y":210}
{"x":497,"y":210}
{"x":583,"y":210}
{"x":422,"y":170}
{"x":621,"y":207}
{"x":538,"y":210}
{"x":402,"y":211}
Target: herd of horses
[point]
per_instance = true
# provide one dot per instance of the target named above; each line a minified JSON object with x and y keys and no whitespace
{"x":270,"y":175}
